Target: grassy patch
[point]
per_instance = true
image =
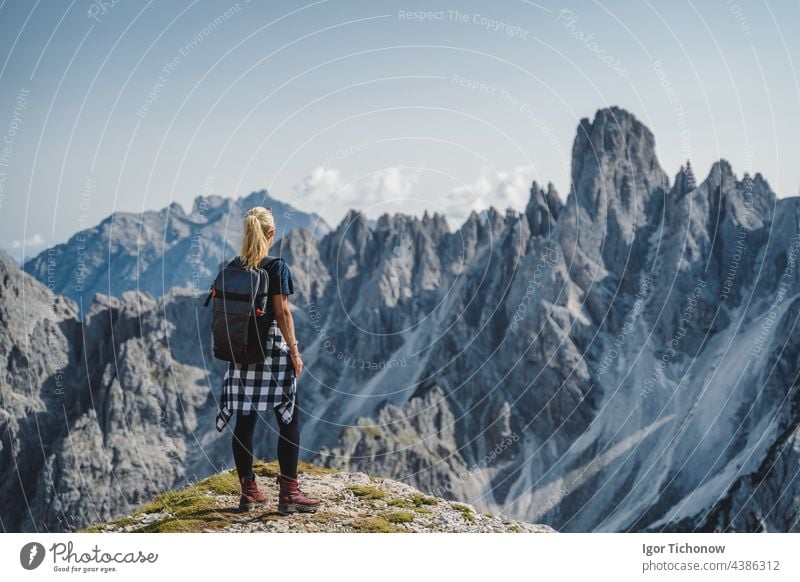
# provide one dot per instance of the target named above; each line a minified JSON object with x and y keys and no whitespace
{"x":416,"y":501}
{"x":375,"y":525}
{"x":271,"y":469}
{"x":367,"y":492}
{"x":195,"y":509}
{"x":180,"y":503}
{"x":188,"y":510}
{"x":419,"y":500}
{"x":125,"y":521}
{"x":321,"y":517}
{"x":399,"y":516}
{"x":226,"y":483}
{"x":120,"y":523}
{"x":465,"y":511}
{"x":177,"y":525}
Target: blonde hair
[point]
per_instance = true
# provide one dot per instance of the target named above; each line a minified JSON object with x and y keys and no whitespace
{"x":259,"y":224}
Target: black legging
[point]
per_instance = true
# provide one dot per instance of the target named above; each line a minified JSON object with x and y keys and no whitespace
{"x":288,"y":443}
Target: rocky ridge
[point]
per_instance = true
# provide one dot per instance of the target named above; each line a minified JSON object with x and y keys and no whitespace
{"x":350,"y":503}
{"x":157,"y":250}
{"x":518,"y":363}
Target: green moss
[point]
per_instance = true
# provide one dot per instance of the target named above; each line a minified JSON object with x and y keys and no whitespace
{"x":266,"y":469}
{"x":195,"y":508}
{"x":367,"y":492}
{"x":226,"y":483}
{"x":416,"y":501}
{"x":399,"y":517}
{"x":190,"y":509}
{"x":190,"y":500}
{"x":166,"y":500}
{"x":125,"y":521}
{"x":271,"y":469}
{"x":419,"y":499}
{"x":321,"y":516}
{"x":173,"y":525}
{"x":303,"y":467}
{"x":375,"y":525}
{"x":465,"y":511}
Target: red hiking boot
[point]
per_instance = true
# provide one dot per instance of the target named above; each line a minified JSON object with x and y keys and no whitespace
{"x":293,"y":500}
{"x":251,"y":496}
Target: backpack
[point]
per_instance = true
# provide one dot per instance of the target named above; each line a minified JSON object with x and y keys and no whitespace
{"x":241,"y":301}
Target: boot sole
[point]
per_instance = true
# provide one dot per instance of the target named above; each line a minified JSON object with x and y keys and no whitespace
{"x":287,"y":508}
{"x":245,"y":507}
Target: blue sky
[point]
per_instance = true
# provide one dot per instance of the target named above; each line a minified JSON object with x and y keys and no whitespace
{"x":381,"y":106}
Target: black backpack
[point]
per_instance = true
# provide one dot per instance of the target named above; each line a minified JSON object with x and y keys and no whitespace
{"x":241,"y":301}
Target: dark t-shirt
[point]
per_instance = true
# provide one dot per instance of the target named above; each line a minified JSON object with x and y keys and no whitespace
{"x":280,"y":278}
{"x":280,"y":283}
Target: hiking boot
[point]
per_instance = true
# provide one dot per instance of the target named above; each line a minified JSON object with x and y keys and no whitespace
{"x":251,"y":496}
{"x":292,"y":500}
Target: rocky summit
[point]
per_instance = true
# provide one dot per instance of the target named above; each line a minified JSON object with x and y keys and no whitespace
{"x":349,"y":503}
{"x":624,"y":358}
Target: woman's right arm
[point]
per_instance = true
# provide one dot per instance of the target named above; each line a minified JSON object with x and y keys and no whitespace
{"x":283,"y":315}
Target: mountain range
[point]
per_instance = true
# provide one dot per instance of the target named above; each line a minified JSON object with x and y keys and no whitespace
{"x":625,"y":359}
{"x":155,"y":251}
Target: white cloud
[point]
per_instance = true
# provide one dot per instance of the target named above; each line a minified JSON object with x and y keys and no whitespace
{"x":35,"y":241}
{"x":498,"y":189}
{"x":324,"y":184}
{"x":320,"y":184}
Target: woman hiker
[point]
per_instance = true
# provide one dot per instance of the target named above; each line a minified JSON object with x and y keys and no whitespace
{"x":249,"y":389}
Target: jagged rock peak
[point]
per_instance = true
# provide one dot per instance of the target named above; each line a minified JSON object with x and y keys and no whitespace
{"x":614,"y":148}
{"x":613,"y":130}
{"x":296,"y":244}
{"x":721,"y":175}
{"x":354,"y":225}
{"x":353,"y":218}
{"x":684,"y":181}
{"x":257,"y":198}
{"x":614,"y":165}
{"x":691,"y":181}
{"x":543,"y":209}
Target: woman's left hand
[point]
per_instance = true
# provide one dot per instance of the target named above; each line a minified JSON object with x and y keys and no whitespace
{"x":297,"y":361}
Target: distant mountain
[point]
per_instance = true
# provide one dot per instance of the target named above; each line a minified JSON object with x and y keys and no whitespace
{"x":625,"y":360}
{"x":157,"y":250}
